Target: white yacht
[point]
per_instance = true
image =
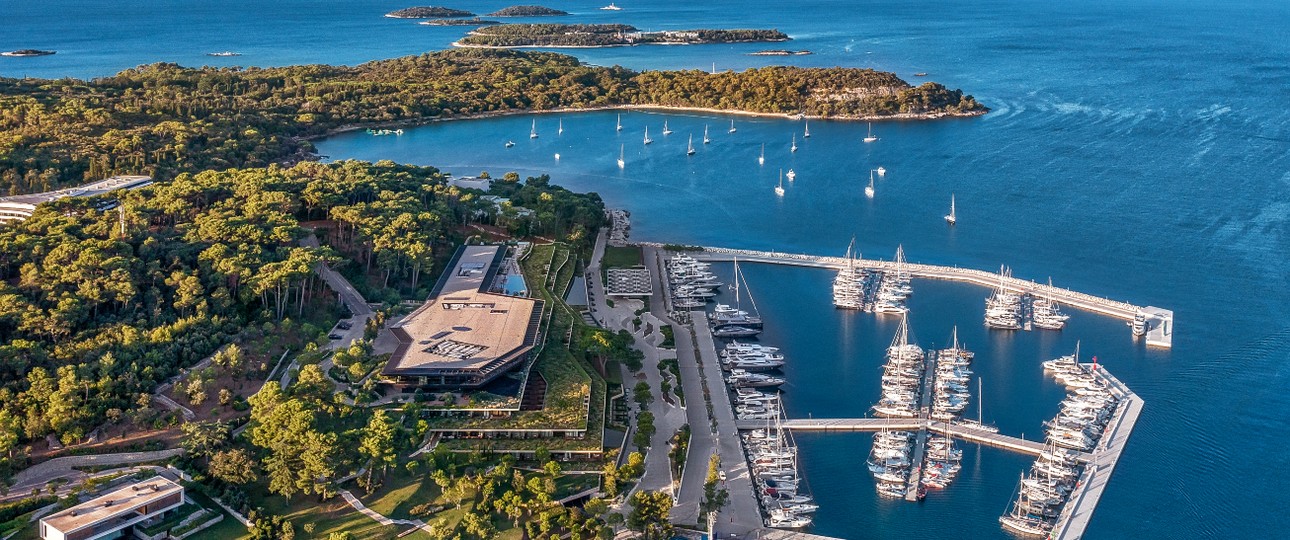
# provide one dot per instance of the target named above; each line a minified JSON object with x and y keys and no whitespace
{"x":881,"y":171}
{"x":611,"y":7}
{"x":870,"y":137}
{"x":791,"y":175}
{"x":779,"y":190}
{"x":510,"y":144}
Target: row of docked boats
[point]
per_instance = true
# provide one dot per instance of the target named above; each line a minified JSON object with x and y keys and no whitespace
{"x":902,"y":377}
{"x":894,"y":288}
{"x":889,"y":462}
{"x":1003,"y":307}
{"x":953,"y":374}
{"x":850,"y":284}
{"x":746,"y":364}
{"x":1088,"y":407}
{"x":692,"y":283}
{"x":779,"y":486}
{"x":380,"y":132}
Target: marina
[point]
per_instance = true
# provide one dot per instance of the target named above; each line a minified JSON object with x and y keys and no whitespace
{"x":1158,"y":322}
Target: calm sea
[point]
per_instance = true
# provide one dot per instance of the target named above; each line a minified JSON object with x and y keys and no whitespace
{"x":1137,"y":150}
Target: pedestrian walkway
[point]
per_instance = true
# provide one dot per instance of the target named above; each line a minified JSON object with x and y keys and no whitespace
{"x":379,"y":518}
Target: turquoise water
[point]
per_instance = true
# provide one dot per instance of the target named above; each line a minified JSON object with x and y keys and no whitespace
{"x":1137,"y":150}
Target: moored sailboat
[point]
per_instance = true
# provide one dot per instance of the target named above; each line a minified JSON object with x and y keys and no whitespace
{"x":870,"y":137}
{"x":952,"y":217}
{"x":533,"y":130}
{"x":621,"y":163}
{"x":779,"y":190}
{"x":689,"y":151}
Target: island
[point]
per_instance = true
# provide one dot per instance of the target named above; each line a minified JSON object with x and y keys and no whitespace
{"x":27,"y":52}
{"x":779,"y":52}
{"x":459,"y":22}
{"x":527,"y":11}
{"x":605,"y":35}
{"x":428,"y":12}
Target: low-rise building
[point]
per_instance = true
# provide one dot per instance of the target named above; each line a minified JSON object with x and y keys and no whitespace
{"x":470,"y":331}
{"x":20,"y":207}
{"x":114,"y":514}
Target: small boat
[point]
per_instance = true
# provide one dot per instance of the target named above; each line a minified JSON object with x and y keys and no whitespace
{"x":793,"y":148}
{"x":510,"y":144}
{"x":920,"y":74}
{"x":620,"y":123}
{"x":533,"y":130}
{"x":870,"y":137}
{"x":557,"y":156}
{"x":560,"y":130}
{"x":621,"y":163}
{"x":689,"y":151}
{"x":706,"y":140}
{"x":224,"y":53}
{"x":666,"y":131}
{"x":761,"y":160}
{"x":807,"y":134}
{"x":647,"y":139}
{"x":791,"y":175}
{"x":779,"y":190}
{"x":611,"y":7}
{"x":881,"y":171}
{"x":868,"y":190}
{"x":20,"y":53}
{"x":732,"y":126}
{"x":951,"y":218}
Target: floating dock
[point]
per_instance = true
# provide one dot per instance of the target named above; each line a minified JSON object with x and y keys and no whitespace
{"x":924,"y":411}
{"x":956,"y":431}
{"x":1159,"y":320}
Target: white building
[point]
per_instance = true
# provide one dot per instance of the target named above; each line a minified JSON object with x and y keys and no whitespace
{"x":20,"y":207}
{"x":112,"y":515}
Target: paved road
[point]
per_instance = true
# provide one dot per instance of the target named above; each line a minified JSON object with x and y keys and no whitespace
{"x":354,"y":301}
{"x":40,"y":474}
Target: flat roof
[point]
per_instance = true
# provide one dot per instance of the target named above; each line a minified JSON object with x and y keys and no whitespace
{"x":112,"y":504}
{"x":628,"y":282}
{"x":464,"y":325}
{"x":88,"y":190}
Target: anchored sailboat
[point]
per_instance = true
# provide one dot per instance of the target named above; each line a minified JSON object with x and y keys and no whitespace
{"x":647,"y":139}
{"x":779,"y":190}
{"x":807,"y":134}
{"x":560,"y":131}
{"x":870,"y":137}
{"x":951,"y":218}
{"x":732,"y":126}
{"x":761,"y":160}
{"x":706,"y":140}
{"x":689,"y":151}
{"x":868,"y":190}
{"x":533,"y":130}
{"x":793,"y":148}
{"x":620,"y":123}
{"x":621,"y":163}
{"x":665,"y":130}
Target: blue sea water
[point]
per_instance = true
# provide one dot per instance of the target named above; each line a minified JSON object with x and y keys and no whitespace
{"x":1138,"y":150}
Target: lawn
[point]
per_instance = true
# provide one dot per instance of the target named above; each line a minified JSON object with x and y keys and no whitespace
{"x":621,"y":257}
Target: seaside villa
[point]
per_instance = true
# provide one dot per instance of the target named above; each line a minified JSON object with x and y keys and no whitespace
{"x":113,"y":515}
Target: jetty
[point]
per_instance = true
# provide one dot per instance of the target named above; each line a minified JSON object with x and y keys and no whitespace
{"x":924,"y":411}
{"x":947,"y":429}
{"x":1159,"y":320}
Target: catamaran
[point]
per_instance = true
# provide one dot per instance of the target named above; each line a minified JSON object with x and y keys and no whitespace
{"x":952,"y":217}
{"x":761,"y":160}
{"x":706,"y":140}
{"x":647,"y":139}
{"x":732,"y":126}
{"x":621,"y":163}
{"x":533,"y":130}
{"x":689,"y":151}
{"x":620,"y":123}
{"x":870,"y":137}
{"x":666,"y":131}
{"x":793,"y":148}
{"x":868,"y":190}
{"x":779,"y":190}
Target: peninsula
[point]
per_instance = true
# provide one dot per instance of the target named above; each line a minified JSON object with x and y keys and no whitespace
{"x":255,"y":117}
{"x":427,"y":12}
{"x":527,"y":11}
{"x":605,"y":35}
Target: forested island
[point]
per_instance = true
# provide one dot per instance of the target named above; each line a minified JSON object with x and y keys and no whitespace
{"x":459,"y":22}
{"x":163,"y":119}
{"x":526,"y":11}
{"x":428,"y":12}
{"x":605,"y":35}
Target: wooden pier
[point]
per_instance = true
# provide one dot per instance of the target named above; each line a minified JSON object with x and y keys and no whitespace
{"x":1083,"y":501}
{"x":926,"y":387}
{"x":1159,"y":320}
